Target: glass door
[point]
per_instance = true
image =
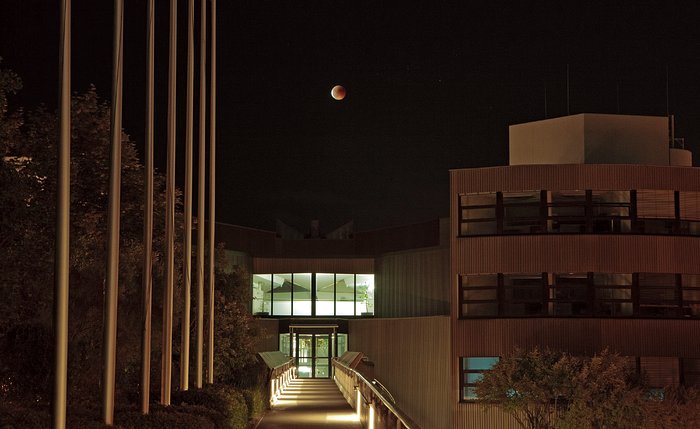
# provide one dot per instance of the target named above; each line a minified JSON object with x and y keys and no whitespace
{"x":313,"y":355}
{"x":304,"y":355}
{"x":322,"y":356}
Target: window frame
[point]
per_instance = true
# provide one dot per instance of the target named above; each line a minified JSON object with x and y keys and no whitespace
{"x":463,"y":373}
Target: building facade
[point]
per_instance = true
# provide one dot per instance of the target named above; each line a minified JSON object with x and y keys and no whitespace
{"x":589,"y":239}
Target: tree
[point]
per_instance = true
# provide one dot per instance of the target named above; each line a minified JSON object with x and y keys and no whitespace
{"x":543,"y":389}
{"x":679,"y":408}
{"x":606,"y":393}
{"x":529,"y":385}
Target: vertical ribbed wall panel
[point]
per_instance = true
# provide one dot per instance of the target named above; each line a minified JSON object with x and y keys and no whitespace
{"x":574,"y":176}
{"x":413,"y":283}
{"x":313,"y":265}
{"x":475,"y":416}
{"x":629,"y":337}
{"x":412,"y":359}
{"x":576,"y":253}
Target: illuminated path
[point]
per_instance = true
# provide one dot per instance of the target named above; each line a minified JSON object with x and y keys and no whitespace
{"x":308,"y":404}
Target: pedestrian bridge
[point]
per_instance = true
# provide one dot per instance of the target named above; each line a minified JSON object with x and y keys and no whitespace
{"x":345,"y":401}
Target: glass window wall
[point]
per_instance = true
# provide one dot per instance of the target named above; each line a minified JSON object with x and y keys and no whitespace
{"x":313,"y":294}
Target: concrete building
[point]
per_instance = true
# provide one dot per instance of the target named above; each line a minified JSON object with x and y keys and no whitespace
{"x":589,"y":239}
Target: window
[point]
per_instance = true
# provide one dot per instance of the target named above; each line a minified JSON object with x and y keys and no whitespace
{"x":522,"y":212}
{"x":281,"y":294}
{"x":613,"y":294}
{"x":656,"y":211}
{"x":611,"y":211}
{"x":479,"y":295}
{"x":523,"y":294}
{"x":345,"y":294}
{"x":477,"y":214}
{"x":311,"y":294}
{"x":473,"y":369}
{"x":659,"y":372}
{"x":663,"y":295}
{"x":691,"y":372}
{"x":658,"y":295}
{"x":262,"y":298}
{"x":566,"y":211}
{"x":691,"y":295}
{"x":580,"y":211}
{"x":569,"y":294}
{"x":364,"y":302}
{"x":301,"y":294}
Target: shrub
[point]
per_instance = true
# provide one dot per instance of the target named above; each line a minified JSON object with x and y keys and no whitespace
{"x":258,"y":400}
{"x":227,"y":403}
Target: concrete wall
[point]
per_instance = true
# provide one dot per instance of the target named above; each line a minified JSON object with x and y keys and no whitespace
{"x":412,"y":359}
{"x":551,"y":141}
{"x":591,"y":139}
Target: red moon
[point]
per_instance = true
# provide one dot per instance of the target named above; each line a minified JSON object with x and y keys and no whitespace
{"x":338,"y":92}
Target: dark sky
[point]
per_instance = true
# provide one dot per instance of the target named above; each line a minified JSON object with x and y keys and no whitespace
{"x":431,"y":86}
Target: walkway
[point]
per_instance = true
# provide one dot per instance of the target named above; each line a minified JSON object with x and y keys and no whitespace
{"x":309,"y":404}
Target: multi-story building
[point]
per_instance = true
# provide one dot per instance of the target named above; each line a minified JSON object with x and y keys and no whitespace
{"x":589,"y":239}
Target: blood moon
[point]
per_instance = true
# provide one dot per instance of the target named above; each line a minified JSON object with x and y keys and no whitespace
{"x":338,"y":92}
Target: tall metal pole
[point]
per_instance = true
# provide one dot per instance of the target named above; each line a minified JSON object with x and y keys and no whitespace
{"x":62,"y":267}
{"x":187,"y":245}
{"x":112,"y":283}
{"x":201,"y":188}
{"x":212,"y":193}
{"x":147,"y":280}
{"x":167,"y":348}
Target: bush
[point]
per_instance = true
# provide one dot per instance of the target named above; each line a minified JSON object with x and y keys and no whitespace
{"x":174,"y":417}
{"x":16,"y":416}
{"x":227,"y":403}
{"x":258,"y":400}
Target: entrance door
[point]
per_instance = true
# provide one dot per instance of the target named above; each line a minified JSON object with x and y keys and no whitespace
{"x":313,"y":355}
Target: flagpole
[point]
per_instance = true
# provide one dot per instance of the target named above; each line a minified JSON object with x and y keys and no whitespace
{"x":62,"y":265}
{"x":112,"y":283}
{"x":147,"y":280}
{"x":212,"y":192}
{"x":167,"y":349}
{"x":187,"y":245}
{"x":201,"y":189}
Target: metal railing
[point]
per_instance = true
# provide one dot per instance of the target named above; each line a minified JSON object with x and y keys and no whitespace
{"x":375,"y":406}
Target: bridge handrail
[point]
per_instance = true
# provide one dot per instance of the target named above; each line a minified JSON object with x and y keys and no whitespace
{"x":406,"y":421}
{"x":282,"y":367}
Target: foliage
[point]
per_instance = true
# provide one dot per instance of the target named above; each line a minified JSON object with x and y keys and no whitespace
{"x":235,"y":329}
{"x":543,"y":389}
{"x":227,"y":403}
{"x":679,"y":408}
{"x":606,"y":393}
{"x":28,"y":152}
{"x":529,"y":385}
{"x":258,"y":400}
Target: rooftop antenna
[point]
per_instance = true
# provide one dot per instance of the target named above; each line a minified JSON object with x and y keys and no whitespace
{"x":667,"y":107}
{"x":567,"y":89}
{"x":545,"y":99}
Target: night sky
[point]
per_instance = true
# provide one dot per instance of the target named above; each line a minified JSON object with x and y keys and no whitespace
{"x":431,"y":86}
